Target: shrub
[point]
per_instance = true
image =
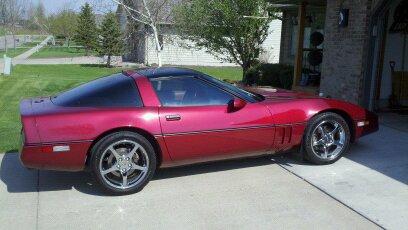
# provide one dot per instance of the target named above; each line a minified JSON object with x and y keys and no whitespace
{"x":276,"y":75}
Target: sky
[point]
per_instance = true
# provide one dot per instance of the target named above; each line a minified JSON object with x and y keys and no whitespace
{"x":53,"y":6}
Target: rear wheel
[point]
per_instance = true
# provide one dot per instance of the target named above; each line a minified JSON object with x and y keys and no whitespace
{"x":123,"y":162}
{"x":326,"y":139}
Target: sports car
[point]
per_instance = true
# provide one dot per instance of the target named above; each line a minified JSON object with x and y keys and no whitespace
{"x":124,"y":126}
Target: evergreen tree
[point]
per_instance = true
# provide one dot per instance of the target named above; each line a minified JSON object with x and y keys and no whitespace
{"x":110,"y":39}
{"x":86,"y":31}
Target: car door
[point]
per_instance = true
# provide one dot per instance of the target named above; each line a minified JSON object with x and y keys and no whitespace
{"x":197,"y":125}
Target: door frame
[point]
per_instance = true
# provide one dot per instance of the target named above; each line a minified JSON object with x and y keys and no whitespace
{"x":372,"y":78}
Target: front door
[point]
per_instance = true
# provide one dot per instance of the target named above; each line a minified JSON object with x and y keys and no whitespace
{"x":197,"y":125}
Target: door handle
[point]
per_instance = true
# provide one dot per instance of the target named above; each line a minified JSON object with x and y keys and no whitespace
{"x":174,"y":117}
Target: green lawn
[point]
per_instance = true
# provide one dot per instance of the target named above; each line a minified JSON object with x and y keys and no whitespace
{"x":59,"y":52}
{"x":42,"y":80}
{"x":11,"y":52}
{"x":222,"y":73}
{"x":31,"y":44}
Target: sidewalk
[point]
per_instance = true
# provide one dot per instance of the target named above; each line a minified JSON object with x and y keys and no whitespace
{"x":86,"y":60}
{"x":22,"y":57}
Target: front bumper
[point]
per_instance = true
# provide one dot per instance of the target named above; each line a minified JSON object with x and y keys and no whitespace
{"x":367,"y":125}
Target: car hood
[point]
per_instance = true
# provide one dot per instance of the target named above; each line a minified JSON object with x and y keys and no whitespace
{"x":276,"y":93}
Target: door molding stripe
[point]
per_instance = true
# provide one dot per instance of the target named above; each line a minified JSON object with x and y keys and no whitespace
{"x":231,"y":129}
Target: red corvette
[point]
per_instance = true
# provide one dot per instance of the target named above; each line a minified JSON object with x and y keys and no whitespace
{"x":124,"y":126}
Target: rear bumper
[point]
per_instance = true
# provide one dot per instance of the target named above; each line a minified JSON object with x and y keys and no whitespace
{"x":367,"y":125}
{"x":44,"y":156}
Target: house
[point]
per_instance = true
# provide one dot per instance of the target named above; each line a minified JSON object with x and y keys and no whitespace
{"x":357,"y":50}
{"x":177,"y":51}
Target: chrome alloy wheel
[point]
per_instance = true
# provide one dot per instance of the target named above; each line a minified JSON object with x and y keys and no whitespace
{"x":124,"y":164}
{"x":328,"y":140}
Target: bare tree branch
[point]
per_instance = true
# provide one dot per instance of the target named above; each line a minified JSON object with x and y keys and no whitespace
{"x":149,"y":15}
{"x":130,"y":8}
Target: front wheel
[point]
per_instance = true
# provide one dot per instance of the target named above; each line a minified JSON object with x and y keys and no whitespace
{"x":123,"y":162}
{"x":326,"y":139}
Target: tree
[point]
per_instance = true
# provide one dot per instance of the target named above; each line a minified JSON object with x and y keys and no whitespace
{"x":64,"y":24}
{"x":110,"y":39}
{"x":151,"y":13}
{"x":11,"y":14}
{"x":39,"y":16}
{"x":232,"y":28}
{"x":86,"y":31}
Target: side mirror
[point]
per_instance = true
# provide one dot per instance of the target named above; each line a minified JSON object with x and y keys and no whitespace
{"x":235,"y":105}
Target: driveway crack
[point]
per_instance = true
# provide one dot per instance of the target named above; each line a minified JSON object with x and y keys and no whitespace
{"x":334,"y":198}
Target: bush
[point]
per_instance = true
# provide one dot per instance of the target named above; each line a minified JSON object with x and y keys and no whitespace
{"x":276,"y":75}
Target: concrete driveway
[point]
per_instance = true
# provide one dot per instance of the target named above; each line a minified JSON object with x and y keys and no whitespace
{"x":366,"y":189}
{"x":371,"y":179}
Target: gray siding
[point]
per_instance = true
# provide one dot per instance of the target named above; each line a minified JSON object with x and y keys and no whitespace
{"x":175,"y":52}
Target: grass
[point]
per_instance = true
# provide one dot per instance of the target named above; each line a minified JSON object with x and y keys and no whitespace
{"x":59,"y":52}
{"x":31,"y":44}
{"x":41,"y":80}
{"x":11,"y":52}
{"x":222,"y":73}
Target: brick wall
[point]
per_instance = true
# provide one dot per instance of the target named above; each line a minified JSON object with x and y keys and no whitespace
{"x":345,"y":50}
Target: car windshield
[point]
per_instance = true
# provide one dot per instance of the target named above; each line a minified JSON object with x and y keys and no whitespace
{"x":249,"y":96}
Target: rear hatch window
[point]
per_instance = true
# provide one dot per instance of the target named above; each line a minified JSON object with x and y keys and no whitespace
{"x":116,"y":90}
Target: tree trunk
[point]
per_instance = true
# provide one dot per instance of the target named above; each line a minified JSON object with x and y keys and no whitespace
{"x":158,"y":46}
{"x":14,"y":42}
{"x":245,"y":78}
{"x":108,"y":62}
{"x":5,"y":42}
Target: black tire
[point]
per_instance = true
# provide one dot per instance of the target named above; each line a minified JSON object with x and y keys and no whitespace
{"x":310,"y":152}
{"x":101,"y":146}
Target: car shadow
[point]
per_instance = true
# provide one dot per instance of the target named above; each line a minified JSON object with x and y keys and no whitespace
{"x":385,"y":152}
{"x":18,"y":179}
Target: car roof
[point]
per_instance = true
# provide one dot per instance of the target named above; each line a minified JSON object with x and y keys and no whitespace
{"x":165,"y":71}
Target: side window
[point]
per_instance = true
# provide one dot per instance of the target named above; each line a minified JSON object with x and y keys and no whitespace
{"x":116,"y":90}
{"x":188,"y":91}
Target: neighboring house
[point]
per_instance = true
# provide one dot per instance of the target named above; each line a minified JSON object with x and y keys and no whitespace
{"x":141,"y":45}
{"x":357,"y":51}
{"x":99,"y":19}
